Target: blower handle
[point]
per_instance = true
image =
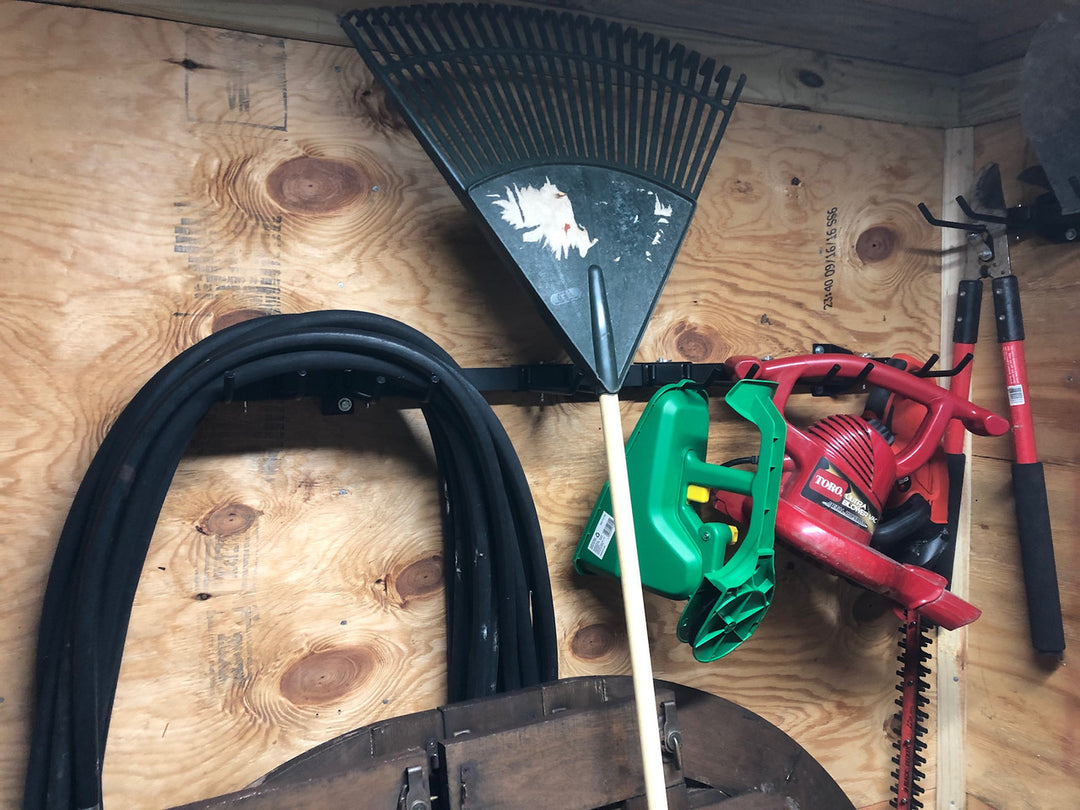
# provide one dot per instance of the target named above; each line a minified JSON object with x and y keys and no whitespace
{"x":941,"y":406}
{"x":732,"y":599}
{"x":965,"y":336}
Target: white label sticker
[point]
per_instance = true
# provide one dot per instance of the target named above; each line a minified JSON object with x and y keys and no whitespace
{"x":1016,"y":395}
{"x":601,"y":538}
{"x":547,"y":216}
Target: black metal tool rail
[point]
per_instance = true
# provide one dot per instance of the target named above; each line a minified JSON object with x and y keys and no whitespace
{"x":341,"y":391}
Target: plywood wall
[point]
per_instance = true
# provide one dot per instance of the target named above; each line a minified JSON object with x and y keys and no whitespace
{"x":1022,"y":709}
{"x":159,"y":181}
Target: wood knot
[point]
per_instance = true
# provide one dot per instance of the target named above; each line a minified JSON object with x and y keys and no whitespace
{"x":311,"y":185}
{"x":594,"y":641}
{"x":223,"y":320}
{"x":694,"y":342}
{"x":233,"y":518}
{"x":371,"y":101}
{"x":326,"y":676}
{"x":869,"y":607}
{"x":876,"y":244}
{"x":740,"y":186}
{"x":892,"y":727}
{"x":420,"y":578}
{"x":897,"y":171}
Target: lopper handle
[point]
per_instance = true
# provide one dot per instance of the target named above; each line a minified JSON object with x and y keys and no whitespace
{"x":965,"y":336}
{"x":1029,"y":482}
{"x":955,"y":466}
{"x":1037,"y":558}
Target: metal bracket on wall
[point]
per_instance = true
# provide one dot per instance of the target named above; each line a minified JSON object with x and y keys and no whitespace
{"x":1042,"y":218}
{"x":342,"y":392}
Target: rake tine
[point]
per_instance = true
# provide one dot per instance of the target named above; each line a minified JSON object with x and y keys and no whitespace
{"x":682,"y":101}
{"x":536,"y":38}
{"x":629,"y":51}
{"x":649,"y":48}
{"x":596,"y":106}
{"x":491,"y":94}
{"x":462,"y":135}
{"x":527,"y":84}
{"x":472,"y":93}
{"x":720,"y":128}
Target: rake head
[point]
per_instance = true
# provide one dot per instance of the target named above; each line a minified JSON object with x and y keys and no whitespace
{"x":577,"y":142}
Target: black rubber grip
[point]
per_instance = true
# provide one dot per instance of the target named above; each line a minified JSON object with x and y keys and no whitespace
{"x":901,"y":524}
{"x":968,"y":305}
{"x":955,"y":464}
{"x":1007,"y":315}
{"x":1037,"y":556}
{"x":605,"y":365}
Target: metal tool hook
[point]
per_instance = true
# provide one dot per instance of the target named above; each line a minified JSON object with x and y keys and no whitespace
{"x":975,"y":230}
{"x":926,"y":370}
{"x":970,"y":227}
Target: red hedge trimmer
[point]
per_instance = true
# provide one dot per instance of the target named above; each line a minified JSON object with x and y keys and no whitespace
{"x":862,"y":494}
{"x":848,"y":471}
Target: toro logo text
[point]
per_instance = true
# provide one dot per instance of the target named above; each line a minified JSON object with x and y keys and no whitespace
{"x":829,"y":485}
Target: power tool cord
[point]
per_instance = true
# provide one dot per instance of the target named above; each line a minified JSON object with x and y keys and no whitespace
{"x":500,"y":617}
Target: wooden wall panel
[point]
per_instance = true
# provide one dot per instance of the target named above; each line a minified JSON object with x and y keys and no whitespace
{"x":803,"y":76}
{"x":159,"y":181}
{"x":1021,"y":709}
{"x":953,"y":38}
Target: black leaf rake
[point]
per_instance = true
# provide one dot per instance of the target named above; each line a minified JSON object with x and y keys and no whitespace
{"x":581,"y":146}
{"x":577,"y":142}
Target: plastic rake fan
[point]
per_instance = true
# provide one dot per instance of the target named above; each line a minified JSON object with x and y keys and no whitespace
{"x":578,"y":143}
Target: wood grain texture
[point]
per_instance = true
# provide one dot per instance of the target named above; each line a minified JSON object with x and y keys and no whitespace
{"x":160,"y":181}
{"x":1019,"y":707}
{"x":991,"y":94}
{"x":796,"y":72}
{"x":953,"y":38}
{"x":957,"y":176}
{"x":915,"y":62}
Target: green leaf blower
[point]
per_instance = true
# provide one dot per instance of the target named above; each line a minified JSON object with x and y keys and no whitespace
{"x":728,"y":579}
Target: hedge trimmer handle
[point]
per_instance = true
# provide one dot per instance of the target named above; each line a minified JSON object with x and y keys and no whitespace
{"x":941,"y":406}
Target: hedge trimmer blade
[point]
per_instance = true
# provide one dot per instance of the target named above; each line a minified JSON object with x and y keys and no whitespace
{"x":913,"y":659}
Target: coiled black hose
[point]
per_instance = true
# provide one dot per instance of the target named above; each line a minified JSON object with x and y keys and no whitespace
{"x":501,"y":626}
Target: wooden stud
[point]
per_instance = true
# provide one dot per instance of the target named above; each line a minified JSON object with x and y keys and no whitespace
{"x":957,"y":177}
